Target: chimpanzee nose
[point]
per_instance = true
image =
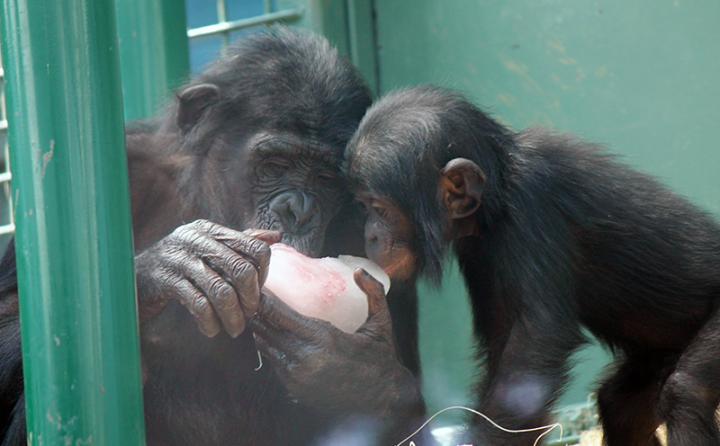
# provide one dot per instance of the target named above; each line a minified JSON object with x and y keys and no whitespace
{"x":294,"y":209}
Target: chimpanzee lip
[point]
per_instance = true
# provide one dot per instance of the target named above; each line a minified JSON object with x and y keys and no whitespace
{"x":307,"y":244}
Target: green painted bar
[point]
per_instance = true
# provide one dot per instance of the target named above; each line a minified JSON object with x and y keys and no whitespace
{"x":153,"y":51}
{"x":75,"y":257}
{"x":361,"y":38}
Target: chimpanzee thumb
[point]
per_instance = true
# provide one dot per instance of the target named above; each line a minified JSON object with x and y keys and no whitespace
{"x":379,"y":322}
{"x":268,"y":236}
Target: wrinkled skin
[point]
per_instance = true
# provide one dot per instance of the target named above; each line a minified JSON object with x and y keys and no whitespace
{"x":239,"y":162}
{"x":213,"y":271}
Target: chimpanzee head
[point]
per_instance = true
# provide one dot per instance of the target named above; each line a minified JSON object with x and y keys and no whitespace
{"x":262,"y":132}
{"x":429,"y":167}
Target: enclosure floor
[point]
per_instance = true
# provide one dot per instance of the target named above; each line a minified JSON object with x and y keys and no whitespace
{"x":594,"y":437}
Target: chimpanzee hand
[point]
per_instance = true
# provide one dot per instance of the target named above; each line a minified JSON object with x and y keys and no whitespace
{"x":214,"y":271}
{"x":329,"y":369}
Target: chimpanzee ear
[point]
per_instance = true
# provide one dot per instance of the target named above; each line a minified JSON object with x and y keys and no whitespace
{"x":461,"y":187}
{"x":192,"y":103}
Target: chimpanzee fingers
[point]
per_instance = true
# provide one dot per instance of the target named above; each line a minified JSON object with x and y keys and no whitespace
{"x":262,"y":256}
{"x":197,"y":304}
{"x":245,"y":245}
{"x":253,"y":248}
{"x":239,"y":271}
{"x":266,"y":235}
{"x":253,"y":245}
{"x":221,"y":294}
{"x":279,"y":315}
{"x":379,"y":322}
{"x":373,"y":289}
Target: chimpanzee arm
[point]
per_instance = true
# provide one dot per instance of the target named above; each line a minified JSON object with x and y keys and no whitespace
{"x":11,"y":381}
{"x":15,"y":433}
{"x":212,"y":270}
{"x":525,"y":376}
{"x":402,"y":301}
{"x":12,"y":407}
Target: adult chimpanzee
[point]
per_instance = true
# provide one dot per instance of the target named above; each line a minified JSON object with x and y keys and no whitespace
{"x":551,"y":234}
{"x":254,"y":142}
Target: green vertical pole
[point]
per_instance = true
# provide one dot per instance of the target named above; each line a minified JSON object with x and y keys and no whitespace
{"x":153,"y":51}
{"x":74,"y":239}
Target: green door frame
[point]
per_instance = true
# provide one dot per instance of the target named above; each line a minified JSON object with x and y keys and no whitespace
{"x":81,"y":354}
{"x":153,"y":51}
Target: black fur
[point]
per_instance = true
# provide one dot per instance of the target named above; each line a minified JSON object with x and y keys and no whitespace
{"x":569,"y":237}
{"x":12,"y":426}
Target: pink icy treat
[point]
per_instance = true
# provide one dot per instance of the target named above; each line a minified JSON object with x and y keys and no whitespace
{"x":322,"y":288}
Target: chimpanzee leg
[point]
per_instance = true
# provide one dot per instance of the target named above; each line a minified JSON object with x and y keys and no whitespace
{"x":691,"y":394}
{"x":523,"y":380}
{"x":628,"y":402}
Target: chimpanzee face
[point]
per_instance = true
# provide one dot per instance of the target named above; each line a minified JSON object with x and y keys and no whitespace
{"x":389,"y":236}
{"x":414,"y":164}
{"x":273,"y":179}
{"x":264,"y":137}
{"x":295,"y":188}
{"x":394,"y":239}
{"x":264,"y":129}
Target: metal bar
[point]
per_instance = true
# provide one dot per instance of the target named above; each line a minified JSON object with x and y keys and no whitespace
{"x":222,"y":18}
{"x":5,"y":177}
{"x":219,"y":28}
{"x":7,"y":229}
{"x":3,"y":125}
{"x":154,"y":53}
{"x":221,"y":10}
{"x":267,"y":6}
{"x":78,"y":316}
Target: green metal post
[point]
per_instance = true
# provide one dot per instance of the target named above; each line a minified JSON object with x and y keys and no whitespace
{"x":153,"y":51}
{"x":75,"y":259}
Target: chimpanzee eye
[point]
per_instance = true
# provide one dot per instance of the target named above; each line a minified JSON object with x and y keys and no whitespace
{"x":380,"y":210}
{"x":273,"y":169}
{"x":326,"y":177}
{"x":363,"y":206}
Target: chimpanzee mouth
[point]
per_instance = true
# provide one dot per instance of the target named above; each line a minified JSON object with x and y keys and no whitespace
{"x":307,"y":244}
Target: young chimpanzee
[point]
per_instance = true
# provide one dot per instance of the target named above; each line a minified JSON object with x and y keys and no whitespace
{"x":552,"y":234}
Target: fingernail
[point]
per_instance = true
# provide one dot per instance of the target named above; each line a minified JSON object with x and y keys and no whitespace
{"x":211,"y":333}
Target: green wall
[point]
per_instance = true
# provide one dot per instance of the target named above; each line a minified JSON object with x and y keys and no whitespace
{"x":641,"y":77}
